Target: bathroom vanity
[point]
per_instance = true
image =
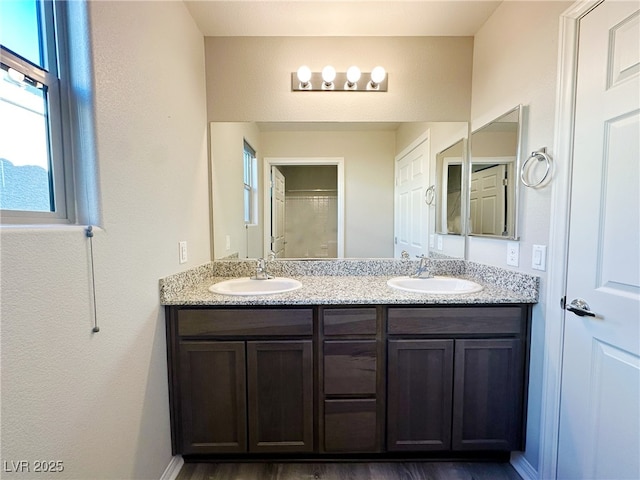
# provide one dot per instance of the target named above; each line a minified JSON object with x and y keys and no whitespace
{"x":347,"y":366}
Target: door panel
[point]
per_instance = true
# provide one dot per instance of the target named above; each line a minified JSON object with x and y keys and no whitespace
{"x":213,"y":397}
{"x":419,"y":379}
{"x":280,"y":392}
{"x":487,"y":395}
{"x":278,"y":240}
{"x":411,"y":209}
{"x":600,"y":402}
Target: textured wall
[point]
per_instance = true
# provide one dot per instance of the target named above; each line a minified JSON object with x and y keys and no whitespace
{"x":515,"y":62}
{"x":98,"y":402}
{"x":249,"y":78}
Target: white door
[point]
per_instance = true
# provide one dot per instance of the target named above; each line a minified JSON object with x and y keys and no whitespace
{"x":487,"y":201}
{"x":277,"y":212}
{"x":412,"y":181}
{"x":599,"y":434}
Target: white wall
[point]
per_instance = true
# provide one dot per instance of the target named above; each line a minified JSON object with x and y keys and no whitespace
{"x":98,"y":402}
{"x":514,"y":62}
{"x":227,"y":177}
{"x":249,"y":78}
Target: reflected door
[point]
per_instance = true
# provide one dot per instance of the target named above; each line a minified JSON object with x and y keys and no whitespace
{"x":600,"y":402}
{"x":411,"y":209}
{"x":487,"y":201}
{"x":277,"y":212}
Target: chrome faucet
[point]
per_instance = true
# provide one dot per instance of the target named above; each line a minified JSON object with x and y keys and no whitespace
{"x":423,"y":268}
{"x":261,"y":271}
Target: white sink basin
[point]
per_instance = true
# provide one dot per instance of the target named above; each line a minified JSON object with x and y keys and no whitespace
{"x":435,"y":285}
{"x":249,"y":286}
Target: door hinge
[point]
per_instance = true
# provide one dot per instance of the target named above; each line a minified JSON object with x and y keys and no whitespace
{"x":563,"y":302}
{"x":505,"y":182}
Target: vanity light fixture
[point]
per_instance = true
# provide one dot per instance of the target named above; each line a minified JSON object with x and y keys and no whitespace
{"x":304,"y":80}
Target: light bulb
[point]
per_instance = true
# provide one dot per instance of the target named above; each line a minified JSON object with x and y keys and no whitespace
{"x":353,"y":74}
{"x":304,"y":74}
{"x":377,"y":75}
{"x":328,"y":74}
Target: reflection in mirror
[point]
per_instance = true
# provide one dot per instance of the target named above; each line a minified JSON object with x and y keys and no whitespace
{"x":493,"y":185}
{"x":449,"y":168}
{"x":365,"y":194}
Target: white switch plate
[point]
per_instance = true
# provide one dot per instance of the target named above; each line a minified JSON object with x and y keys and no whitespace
{"x":513,"y":253}
{"x":182,"y":251}
{"x":440,"y":242}
{"x":228,"y":242}
{"x":539,"y":257}
{"x":432,"y":241}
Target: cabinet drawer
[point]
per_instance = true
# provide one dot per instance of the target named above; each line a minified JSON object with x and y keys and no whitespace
{"x":350,"y":426}
{"x":227,"y":322}
{"x":349,"y":321}
{"x":350,"y":367}
{"x":456,"y":320}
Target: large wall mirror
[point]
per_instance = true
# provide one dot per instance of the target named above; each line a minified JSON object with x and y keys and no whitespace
{"x":493,"y":177}
{"x":333,"y":190}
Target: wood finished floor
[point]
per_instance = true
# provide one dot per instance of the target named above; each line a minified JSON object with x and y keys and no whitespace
{"x":349,"y":471}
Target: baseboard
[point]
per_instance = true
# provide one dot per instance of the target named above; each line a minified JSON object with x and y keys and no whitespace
{"x":523,"y":467}
{"x":173,"y":469}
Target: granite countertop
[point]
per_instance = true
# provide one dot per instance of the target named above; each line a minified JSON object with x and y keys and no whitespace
{"x":348,"y":282}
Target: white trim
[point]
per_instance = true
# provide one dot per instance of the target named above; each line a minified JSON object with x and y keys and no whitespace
{"x":558,"y":236}
{"x":173,"y":469}
{"x":271,"y":161}
{"x":523,"y":467}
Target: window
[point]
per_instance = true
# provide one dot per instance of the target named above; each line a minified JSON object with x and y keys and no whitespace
{"x":250,"y":185}
{"x":35,"y":176}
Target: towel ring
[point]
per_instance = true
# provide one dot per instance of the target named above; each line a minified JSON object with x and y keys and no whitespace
{"x":541,"y":156}
{"x":430,"y":195}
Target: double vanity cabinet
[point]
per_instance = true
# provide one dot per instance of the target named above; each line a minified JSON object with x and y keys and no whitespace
{"x":333,"y":380}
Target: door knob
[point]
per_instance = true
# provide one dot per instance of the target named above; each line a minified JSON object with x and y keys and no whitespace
{"x":580,"y":308}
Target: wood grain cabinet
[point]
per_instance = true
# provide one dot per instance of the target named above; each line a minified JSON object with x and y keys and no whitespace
{"x":352,"y":386}
{"x":241,"y":380}
{"x":328,"y":381}
{"x":456,"y":378}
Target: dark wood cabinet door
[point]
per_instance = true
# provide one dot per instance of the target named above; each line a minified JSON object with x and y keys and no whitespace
{"x":419,"y":379}
{"x":213,"y":397}
{"x":488,"y":395}
{"x":280,"y":392}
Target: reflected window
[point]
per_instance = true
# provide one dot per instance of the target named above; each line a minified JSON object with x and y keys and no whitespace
{"x":250,"y":184}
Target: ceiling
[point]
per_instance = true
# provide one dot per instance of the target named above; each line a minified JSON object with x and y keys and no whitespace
{"x":222,"y":18}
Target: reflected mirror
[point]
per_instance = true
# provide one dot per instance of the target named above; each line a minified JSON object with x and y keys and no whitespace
{"x":327,"y":189}
{"x":449,"y":168}
{"x":493,"y":179}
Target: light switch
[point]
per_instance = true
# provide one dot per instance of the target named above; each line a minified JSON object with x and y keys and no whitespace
{"x":539,"y":257}
{"x":432,"y":241}
{"x":228,"y":242}
{"x":440,"y":240}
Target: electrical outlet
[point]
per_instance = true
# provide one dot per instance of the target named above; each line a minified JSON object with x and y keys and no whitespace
{"x":513,"y":253}
{"x":228,"y":242}
{"x":440,"y":246}
{"x":182,"y":251}
{"x":539,"y":257}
